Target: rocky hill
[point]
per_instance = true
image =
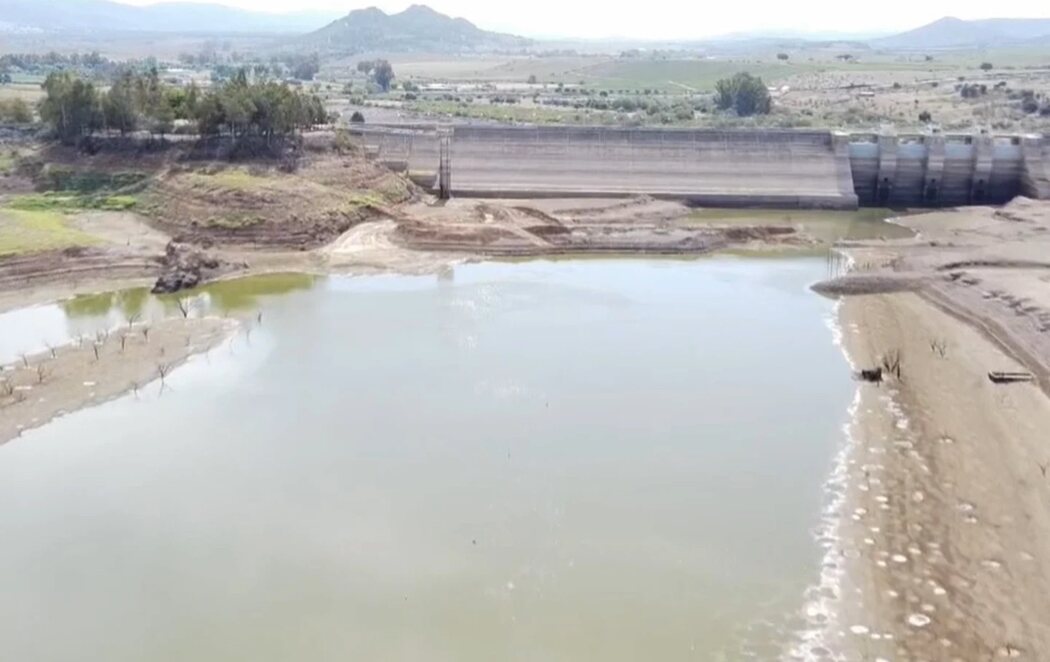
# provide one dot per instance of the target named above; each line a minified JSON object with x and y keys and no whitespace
{"x":417,"y":29}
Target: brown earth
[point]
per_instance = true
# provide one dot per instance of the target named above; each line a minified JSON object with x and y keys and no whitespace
{"x":560,"y":226}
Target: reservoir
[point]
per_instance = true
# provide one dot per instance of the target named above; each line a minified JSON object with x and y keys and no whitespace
{"x":567,"y":460}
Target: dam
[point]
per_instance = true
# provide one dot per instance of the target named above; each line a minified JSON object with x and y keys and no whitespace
{"x":718,"y":168}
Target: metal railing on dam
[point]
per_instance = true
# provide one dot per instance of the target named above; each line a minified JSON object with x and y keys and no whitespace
{"x":738,"y":168}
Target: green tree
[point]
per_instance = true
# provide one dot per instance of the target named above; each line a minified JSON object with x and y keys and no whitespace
{"x":380,"y":71}
{"x":70,"y":106}
{"x":119,"y":107}
{"x":744,"y":93}
{"x":986,"y":66}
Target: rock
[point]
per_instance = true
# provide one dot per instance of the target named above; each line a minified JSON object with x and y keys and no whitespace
{"x":184,"y":268}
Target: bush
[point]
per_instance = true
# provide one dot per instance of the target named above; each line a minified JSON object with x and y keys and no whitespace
{"x":15,"y":111}
{"x":744,"y":93}
{"x":357,"y":117}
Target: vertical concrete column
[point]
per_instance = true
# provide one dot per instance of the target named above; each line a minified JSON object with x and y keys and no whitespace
{"x":887,"y":169}
{"x":982,"y":169}
{"x":1035,"y":170}
{"x":933,"y":177}
{"x":843,"y":169}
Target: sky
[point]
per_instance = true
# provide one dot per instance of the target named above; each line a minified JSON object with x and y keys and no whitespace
{"x":678,"y":19}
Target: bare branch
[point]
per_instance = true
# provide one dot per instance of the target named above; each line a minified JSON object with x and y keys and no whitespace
{"x":184,"y":306}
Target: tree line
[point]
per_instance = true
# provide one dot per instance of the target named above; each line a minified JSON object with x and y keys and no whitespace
{"x":88,"y":64}
{"x":75,"y":108}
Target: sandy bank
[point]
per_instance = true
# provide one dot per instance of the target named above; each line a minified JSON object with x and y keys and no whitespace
{"x":942,"y":549}
{"x":92,"y":370}
{"x":946,"y":517}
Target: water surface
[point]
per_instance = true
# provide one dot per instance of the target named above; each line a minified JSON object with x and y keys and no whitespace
{"x":599,"y":460}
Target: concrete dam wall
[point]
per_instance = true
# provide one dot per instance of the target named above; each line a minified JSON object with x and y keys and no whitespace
{"x":762,"y":168}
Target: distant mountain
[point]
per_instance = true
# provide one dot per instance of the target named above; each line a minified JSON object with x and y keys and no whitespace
{"x":417,"y":29}
{"x":950,"y":32}
{"x":95,"y":16}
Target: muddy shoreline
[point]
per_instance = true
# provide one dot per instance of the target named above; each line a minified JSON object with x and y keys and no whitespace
{"x":939,"y":524}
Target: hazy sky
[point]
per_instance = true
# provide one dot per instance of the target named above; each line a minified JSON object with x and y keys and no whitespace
{"x":678,"y":19}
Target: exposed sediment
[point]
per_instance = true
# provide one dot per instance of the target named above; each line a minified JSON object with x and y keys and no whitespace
{"x":92,"y":370}
{"x":943,"y":519}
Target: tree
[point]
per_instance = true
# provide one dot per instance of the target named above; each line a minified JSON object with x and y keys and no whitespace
{"x":357,"y":117}
{"x":305,"y":68}
{"x":380,"y":71}
{"x":118,"y":105}
{"x":744,"y":93}
{"x":782,"y":57}
{"x":70,"y":106}
{"x":986,"y":66}
{"x":925,"y":116}
{"x":532,"y":79}
{"x":383,"y":74}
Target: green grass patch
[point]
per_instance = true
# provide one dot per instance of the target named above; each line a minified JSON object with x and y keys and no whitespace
{"x":234,"y":221}
{"x":8,"y":161}
{"x":69,"y":180}
{"x":25,"y":231}
{"x":63,"y":202}
{"x":235,"y":179}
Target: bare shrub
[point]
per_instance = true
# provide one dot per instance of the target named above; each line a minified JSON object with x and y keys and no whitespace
{"x":891,"y":362}
{"x":185,"y":305}
{"x":939,"y":346}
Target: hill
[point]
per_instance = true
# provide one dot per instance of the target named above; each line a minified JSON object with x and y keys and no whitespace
{"x":950,"y":32}
{"x":417,"y":29}
{"x":95,"y":16}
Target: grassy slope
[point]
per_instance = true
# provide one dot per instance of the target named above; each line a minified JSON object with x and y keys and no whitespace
{"x":29,"y":231}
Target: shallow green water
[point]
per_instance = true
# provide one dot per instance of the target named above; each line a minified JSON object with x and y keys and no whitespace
{"x":824,"y":226}
{"x":598,"y":460}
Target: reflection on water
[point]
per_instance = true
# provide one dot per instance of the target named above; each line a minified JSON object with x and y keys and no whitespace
{"x":33,"y":329}
{"x":600,"y":460}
